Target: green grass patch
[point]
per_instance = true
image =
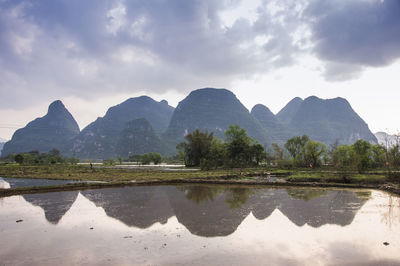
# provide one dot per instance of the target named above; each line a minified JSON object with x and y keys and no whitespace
{"x":112,"y":174}
{"x":337,"y":177}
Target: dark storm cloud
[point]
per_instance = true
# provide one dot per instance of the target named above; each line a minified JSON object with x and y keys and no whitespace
{"x":355,"y":34}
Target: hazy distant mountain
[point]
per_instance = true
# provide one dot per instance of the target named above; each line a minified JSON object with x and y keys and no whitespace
{"x":99,"y":139}
{"x":138,"y":137}
{"x":54,"y":130}
{"x":276,"y":129}
{"x":2,"y":142}
{"x":386,"y":139}
{"x":286,"y":114}
{"x":213,"y":110}
{"x":327,"y":120}
{"x":140,"y":125}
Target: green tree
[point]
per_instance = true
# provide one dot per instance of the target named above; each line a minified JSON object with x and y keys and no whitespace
{"x":258,"y":153}
{"x":156,"y":158}
{"x":295,"y":147}
{"x":145,"y":158}
{"x":241,"y":149}
{"x":152,"y":157}
{"x":238,"y":146}
{"x":31,"y":158}
{"x":278,"y":152}
{"x":344,"y":156}
{"x":313,"y":152}
{"x":378,"y":156}
{"x":53,"y":157}
{"x":216,"y":157}
{"x":203,"y":149}
{"x":197,"y":147}
{"x":363,"y":150}
{"x":394,"y":156}
{"x":19,"y":158}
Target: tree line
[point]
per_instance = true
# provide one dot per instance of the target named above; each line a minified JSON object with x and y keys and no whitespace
{"x":360,"y":156}
{"x":146,"y":158}
{"x":239,"y":150}
{"x":204,"y":150}
{"x":35,"y":157}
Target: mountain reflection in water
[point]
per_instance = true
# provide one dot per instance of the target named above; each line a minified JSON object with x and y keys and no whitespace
{"x":54,"y":205}
{"x":210,"y":210}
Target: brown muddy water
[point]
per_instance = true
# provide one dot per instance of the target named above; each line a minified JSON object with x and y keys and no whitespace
{"x":201,"y":225}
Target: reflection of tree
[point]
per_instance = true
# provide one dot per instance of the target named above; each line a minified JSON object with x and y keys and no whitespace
{"x":238,"y":196}
{"x":305,"y":194}
{"x":3,"y":184}
{"x":390,"y":214}
{"x":366,"y":195}
{"x":199,"y":194}
{"x":234,"y":196}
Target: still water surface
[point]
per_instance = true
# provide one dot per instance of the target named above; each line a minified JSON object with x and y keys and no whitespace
{"x":201,"y":225}
{"x":7,"y":182}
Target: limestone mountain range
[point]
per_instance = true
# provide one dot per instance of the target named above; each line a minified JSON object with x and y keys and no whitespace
{"x":141,"y":124}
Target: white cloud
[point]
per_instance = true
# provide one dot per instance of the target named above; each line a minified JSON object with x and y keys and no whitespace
{"x":116,"y":17}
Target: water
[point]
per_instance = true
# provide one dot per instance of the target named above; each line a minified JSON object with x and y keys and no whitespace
{"x":6,"y":182}
{"x":201,"y":225}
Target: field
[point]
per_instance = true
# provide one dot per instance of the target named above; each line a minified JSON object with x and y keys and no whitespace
{"x":117,"y":176}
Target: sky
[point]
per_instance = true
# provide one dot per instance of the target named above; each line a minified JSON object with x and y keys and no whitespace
{"x":94,"y":54}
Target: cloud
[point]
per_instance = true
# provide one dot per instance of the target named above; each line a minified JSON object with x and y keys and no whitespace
{"x":355,"y":34}
{"x":65,"y":48}
{"x":341,"y":71}
{"x":53,"y":49}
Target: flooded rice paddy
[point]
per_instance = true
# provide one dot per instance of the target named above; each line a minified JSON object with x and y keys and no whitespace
{"x":30,"y":182}
{"x":201,"y":225}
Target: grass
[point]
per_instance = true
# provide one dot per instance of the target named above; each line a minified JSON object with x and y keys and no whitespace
{"x":109,"y":174}
{"x":338,"y":177}
{"x":115,"y":176}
